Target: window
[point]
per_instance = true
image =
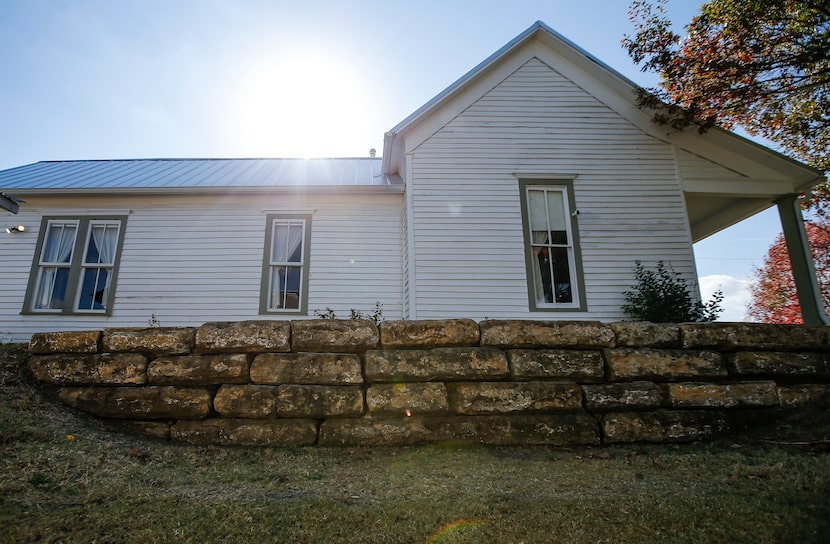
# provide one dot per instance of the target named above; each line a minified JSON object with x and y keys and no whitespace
{"x":285,"y":269}
{"x":552,"y":257}
{"x":76,"y":262}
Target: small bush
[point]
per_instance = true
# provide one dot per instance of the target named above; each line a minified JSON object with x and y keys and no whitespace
{"x":662,"y":296}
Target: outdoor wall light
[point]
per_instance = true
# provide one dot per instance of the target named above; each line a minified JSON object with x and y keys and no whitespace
{"x":18,"y":228}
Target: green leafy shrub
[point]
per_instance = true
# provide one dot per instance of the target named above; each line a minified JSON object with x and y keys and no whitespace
{"x":663,"y":296}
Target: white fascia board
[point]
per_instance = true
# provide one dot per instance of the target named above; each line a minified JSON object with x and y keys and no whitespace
{"x":738,"y":187}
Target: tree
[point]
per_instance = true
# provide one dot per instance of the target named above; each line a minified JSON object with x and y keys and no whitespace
{"x":774,"y":297}
{"x":761,"y":64}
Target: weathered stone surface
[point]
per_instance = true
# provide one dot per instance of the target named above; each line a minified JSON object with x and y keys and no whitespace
{"x":65,"y":342}
{"x":662,"y":364}
{"x":307,"y":368}
{"x":646,"y":335}
{"x":156,"y":429}
{"x":429,"y":334}
{"x":375,"y":432}
{"x":334,"y":335}
{"x":97,"y":369}
{"x":150,"y":402}
{"x":712,"y":395}
{"x":407,"y":399}
{"x":622,"y":396}
{"x":198,"y":370}
{"x":552,"y":334}
{"x":775,"y":363}
{"x":244,"y":337}
{"x":319,"y":401}
{"x":811,"y":394}
{"x":254,"y":401}
{"x":754,"y":336}
{"x":506,"y":397}
{"x":155,"y":340}
{"x":663,"y":426}
{"x":435,"y":364}
{"x":246,"y":432}
{"x":558,"y":364}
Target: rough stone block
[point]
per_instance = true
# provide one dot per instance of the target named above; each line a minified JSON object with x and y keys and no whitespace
{"x":440,"y":364}
{"x":244,"y":337}
{"x":246,"y":432}
{"x":407,"y":399}
{"x":623,"y":396}
{"x":662,"y":364}
{"x":797,"y":396}
{"x":155,"y":340}
{"x":319,"y":401}
{"x":307,"y":368}
{"x":198,"y":370}
{"x":65,"y":342}
{"x":334,"y":335}
{"x":375,"y":432}
{"x":557,"y":364}
{"x":506,"y":397}
{"x":150,"y":402}
{"x":550,"y":334}
{"x":253,"y":401}
{"x":773,"y":363}
{"x":429,"y":334}
{"x":754,"y":336}
{"x":663,"y":426}
{"x":642,"y":334}
{"x":156,"y":429}
{"x":711,"y":395}
{"x":97,"y":369}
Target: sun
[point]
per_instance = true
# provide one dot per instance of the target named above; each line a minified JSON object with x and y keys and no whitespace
{"x":301,"y":104}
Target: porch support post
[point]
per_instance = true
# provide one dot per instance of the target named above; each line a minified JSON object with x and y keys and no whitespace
{"x":798,"y":247}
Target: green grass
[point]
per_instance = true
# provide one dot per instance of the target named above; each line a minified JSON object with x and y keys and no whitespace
{"x":104,"y":486}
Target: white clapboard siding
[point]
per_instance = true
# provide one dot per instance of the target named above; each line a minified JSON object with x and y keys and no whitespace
{"x":188,"y":260}
{"x":469,"y":248}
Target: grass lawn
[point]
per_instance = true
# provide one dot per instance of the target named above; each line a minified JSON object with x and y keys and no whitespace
{"x":63,"y":478}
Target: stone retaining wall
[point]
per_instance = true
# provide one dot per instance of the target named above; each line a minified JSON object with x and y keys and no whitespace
{"x":338,"y":383}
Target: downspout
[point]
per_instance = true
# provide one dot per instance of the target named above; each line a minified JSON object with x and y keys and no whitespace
{"x":804,"y":271}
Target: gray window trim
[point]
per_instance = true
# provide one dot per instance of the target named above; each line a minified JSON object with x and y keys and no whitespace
{"x":269,"y":232}
{"x":568,"y":185}
{"x":73,"y":282}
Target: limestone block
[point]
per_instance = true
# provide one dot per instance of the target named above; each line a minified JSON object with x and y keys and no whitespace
{"x":334,"y":335}
{"x":198,"y":370}
{"x":244,"y":337}
{"x":623,"y":396}
{"x":774,"y":363}
{"x":155,"y":340}
{"x":662,"y":364}
{"x":246,"y":432}
{"x":797,"y":396}
{"x":439,"y":364}
{"x":407,"y":399}
{"x":663,"y":426}
{"x":254,"y":401}
{"x":319,"y":401}
{"x":506,"y":397}
{"x":65,"y":342}
{"x":374,"y":432}
{"x":551,"y":334}
{"x":754,"y":336}
{"x":150,"y":402}
{"x":558,"y":364}
{"x":429,"y":334}
{"x":97,"y":369}
{"x":156,"y":429}
{"x":307,"y":368}
{"x":641,"y":334}
{"x":711,"y":395}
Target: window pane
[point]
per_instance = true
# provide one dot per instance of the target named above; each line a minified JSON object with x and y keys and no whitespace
{"x":102,"y":242}
{"x":287,"y":246}
{"x":60,"y":239}
{"x":562,"y":275}
{"x":51,"y":288}
{"x":94,"y":286}
{"x":538,"y":214}
{"x":285,"y":288}
{"x":556,"y":211}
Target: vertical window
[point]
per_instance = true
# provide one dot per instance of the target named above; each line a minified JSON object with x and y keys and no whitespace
{"x":285,"y":273}
{"x":75,"y":266}
{"x":552,"y":256}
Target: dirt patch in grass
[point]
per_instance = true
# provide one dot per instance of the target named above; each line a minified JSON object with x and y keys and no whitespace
{"x":67,"y":479}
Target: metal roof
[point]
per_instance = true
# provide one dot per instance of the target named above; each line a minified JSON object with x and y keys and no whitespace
{"x":144,"y":174}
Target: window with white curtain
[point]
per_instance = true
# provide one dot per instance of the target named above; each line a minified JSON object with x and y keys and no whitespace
{"x":285,"y":271}
{"x":75,"y":265}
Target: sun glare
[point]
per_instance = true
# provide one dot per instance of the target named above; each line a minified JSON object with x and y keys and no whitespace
{"x":301,"y":105}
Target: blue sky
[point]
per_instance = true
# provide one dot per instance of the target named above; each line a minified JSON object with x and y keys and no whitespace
{"x":100,"y":79}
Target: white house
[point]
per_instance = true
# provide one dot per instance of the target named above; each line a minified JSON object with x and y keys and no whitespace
{"x":525,"y":190}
